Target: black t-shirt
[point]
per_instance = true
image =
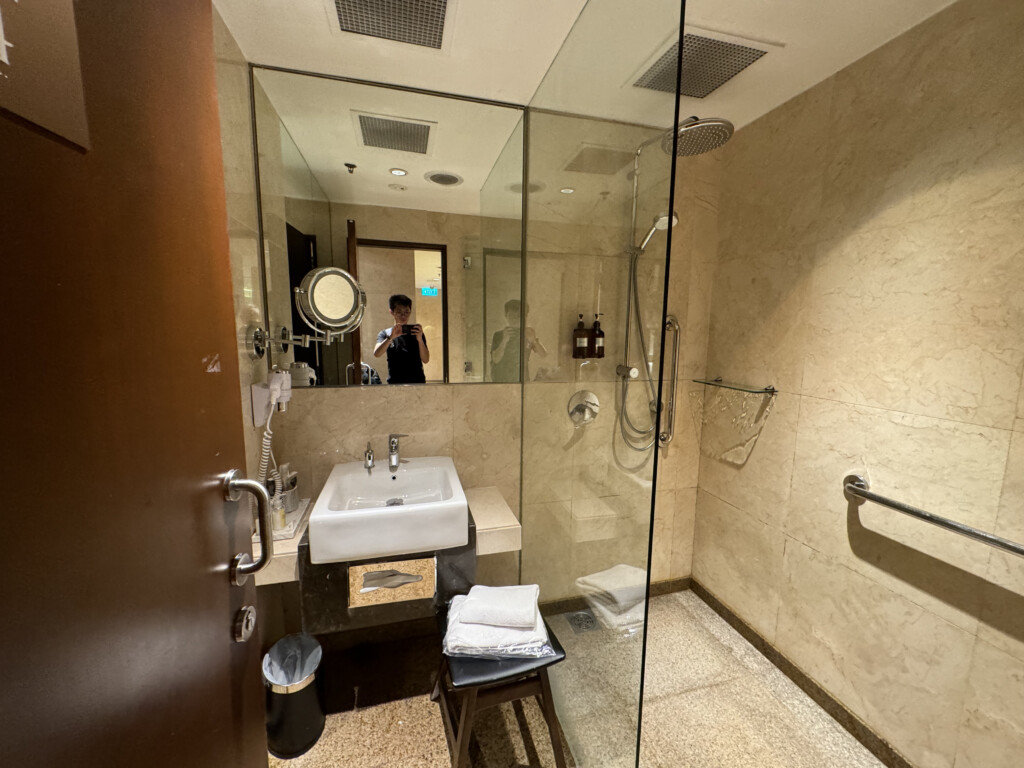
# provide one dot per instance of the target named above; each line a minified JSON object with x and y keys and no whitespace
{"x":404,"y":364}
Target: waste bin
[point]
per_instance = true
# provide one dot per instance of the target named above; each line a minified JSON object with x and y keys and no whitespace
{"x":295,"y":718}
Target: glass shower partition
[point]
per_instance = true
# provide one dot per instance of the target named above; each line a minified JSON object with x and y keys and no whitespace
{"x":597,"y":178}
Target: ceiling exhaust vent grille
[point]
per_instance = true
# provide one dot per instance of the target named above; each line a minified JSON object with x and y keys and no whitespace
{"x":418,"y":22}
{"x":394,"y":134}
{"x":707,"y":64}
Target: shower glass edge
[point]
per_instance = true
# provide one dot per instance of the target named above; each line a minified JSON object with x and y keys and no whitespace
{"x":587,"y":496}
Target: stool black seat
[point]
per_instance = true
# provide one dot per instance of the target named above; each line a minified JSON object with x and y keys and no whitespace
{"x":467,"y":684}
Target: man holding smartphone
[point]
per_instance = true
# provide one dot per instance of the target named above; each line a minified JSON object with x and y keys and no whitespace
{"x":403,"y":343}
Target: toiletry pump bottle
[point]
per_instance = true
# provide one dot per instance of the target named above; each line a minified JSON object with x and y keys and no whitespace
{"x":580,"y":340}
{"x":595,"y":344}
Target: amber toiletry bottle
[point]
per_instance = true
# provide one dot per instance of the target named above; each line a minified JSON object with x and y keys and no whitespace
{"x":595,"y":344}
{"x":580,"y":340}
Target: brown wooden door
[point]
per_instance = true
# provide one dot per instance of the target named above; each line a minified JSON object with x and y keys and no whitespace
{"x":120,"y":411}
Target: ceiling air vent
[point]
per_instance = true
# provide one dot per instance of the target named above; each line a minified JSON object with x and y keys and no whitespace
{"x":387,"y":133}
{"x":418,"y":22}
{"x":602,"y":160}
{"x":707,"y":64}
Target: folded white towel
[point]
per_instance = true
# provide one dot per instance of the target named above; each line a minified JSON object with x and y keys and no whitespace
{"x":501,"y":606}
{"x":463,"y":639}
{"x":619,"y":588}
{"x":628,"y":621}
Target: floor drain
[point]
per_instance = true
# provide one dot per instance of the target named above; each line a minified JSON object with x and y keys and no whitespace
{"x":582,"y":621}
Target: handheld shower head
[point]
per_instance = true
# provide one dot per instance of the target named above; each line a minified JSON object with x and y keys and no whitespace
{"x":660,"y":223}
{"x":697,"y":136}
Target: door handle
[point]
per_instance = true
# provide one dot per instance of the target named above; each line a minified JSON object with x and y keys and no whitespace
{"x":242,"y":566}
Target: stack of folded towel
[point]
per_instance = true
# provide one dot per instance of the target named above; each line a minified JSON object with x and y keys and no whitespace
{"x":616,"y":596}
{"x":497,"y":623}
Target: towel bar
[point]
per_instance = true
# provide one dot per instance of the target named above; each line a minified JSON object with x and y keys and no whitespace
{"x":857,"y":486}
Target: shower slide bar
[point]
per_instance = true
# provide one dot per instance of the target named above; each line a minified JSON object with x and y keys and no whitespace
{"x":664,"y":438}
{"x":857,"y":486}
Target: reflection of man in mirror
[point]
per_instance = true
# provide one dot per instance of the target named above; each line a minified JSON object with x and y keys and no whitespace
{"x":505,"y":345}
{"x":404,"y":344}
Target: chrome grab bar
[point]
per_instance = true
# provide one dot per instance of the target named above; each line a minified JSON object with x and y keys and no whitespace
{"x":857,"y":486}
{"x":664,"y":438}
{"x":242,"y":566}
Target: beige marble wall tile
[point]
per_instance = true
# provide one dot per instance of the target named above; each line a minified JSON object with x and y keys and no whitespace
{"x":232,"y":74}
{"x":487,"y":425}
{"x":324,"y":427}
{"x":992,"y":730}
{"x":684,"y":508}
{"x":739,"y":560}
{"x":498,"y":570}
{"x":240,"y":189}
{"x":923,"y":317}
{"x":679,"y":461}
{"x":761,"y":485}
{"x":895,"y":155}
{"x":951,"y":469}
{"x":900,"y":668}
{"x":664,"y":536}
{"x":548,"y":438}
{"x":547,"y":549}
{"x":552,"y":289}
{"x":772,"y":174}
{"x":759,"y":306}
{"x":1002,"y":615}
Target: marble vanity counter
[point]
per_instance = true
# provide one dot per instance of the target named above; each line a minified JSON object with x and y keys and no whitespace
{"x":497,"y":530}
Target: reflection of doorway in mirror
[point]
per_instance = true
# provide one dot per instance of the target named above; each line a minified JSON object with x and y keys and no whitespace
{"x":387,"y":268}
{"x":428,"y":308}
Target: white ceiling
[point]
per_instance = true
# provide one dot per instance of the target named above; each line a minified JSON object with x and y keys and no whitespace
{"x":522,"y":52}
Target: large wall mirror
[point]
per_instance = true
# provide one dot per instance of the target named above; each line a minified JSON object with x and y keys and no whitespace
{"x":414,"y":194}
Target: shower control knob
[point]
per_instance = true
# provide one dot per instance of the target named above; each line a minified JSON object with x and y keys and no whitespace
{"x":627,"y":371}
{"x":245,"y":623}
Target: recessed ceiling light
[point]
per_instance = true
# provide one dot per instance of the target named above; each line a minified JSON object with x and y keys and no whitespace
{"x":567,"y":190}
{"x":398,"y":172}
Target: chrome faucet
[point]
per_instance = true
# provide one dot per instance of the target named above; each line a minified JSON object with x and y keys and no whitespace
{"x":368,"y":457}
{"x":393,"y":459}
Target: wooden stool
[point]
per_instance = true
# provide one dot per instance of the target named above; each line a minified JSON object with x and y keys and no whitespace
{"x":466,"y":684}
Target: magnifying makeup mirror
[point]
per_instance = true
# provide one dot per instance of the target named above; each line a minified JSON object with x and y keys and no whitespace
{"x":330,"y":301}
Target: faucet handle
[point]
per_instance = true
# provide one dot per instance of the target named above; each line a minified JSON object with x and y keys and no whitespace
{"x":393,"y":437}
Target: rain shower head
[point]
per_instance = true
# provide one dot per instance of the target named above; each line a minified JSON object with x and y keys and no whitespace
{"x":697,"y":136}
{"x":660,"y":223}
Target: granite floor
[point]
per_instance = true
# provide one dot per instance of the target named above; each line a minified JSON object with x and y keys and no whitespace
{"x":711,"y":701}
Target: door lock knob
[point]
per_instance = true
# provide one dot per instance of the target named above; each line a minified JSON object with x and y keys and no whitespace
{"x":245,"y":623}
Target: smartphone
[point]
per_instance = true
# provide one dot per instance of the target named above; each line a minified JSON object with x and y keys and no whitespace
{"x":408,"y":328}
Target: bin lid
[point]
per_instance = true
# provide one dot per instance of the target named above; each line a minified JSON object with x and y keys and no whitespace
{"x":291,"y":663}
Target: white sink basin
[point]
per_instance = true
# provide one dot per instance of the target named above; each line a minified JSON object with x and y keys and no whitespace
{"x":360,"y":515}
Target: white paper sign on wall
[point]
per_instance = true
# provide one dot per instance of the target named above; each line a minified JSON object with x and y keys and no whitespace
{"x":40,"y":73}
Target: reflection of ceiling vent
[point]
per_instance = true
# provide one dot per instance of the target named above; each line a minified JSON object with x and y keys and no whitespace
{"x":419,"y":22}
{"x":386,"y":133}
{"x":707,"y":64}
{"x":603,"y":160}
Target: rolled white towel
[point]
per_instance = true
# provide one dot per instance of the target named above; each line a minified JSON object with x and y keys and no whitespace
{"x":463,"y":639}
{"x":501,"y":606}
{"x":619,"y":588}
